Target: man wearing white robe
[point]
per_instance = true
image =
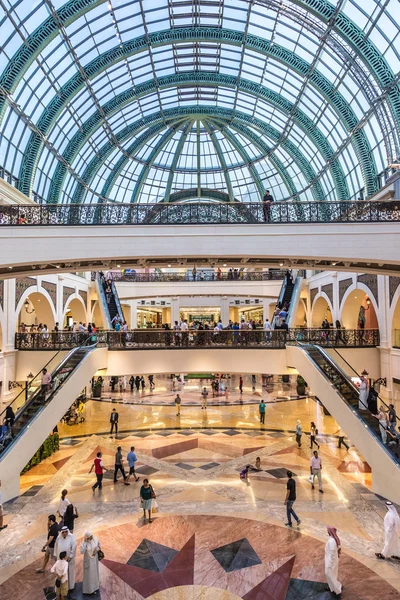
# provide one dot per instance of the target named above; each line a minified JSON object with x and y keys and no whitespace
{"x":391,"y":523}
{"x":332,"y":551}
{"x":66,"y":542}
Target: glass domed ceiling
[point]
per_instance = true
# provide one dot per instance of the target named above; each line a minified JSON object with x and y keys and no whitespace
{"x":166,"y":100}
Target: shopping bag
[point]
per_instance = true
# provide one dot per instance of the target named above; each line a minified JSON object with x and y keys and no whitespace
{"x":311,"y":479}
{"x":154,"y":506}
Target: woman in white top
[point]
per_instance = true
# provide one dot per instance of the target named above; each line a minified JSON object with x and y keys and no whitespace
{"x":364,"y":392}
{"x":381,"y":416}
{"x":91,"y":578}
{"x":332,"y":552}
{"x":62,"y":507}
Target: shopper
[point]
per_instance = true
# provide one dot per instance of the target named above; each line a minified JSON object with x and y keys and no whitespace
{"x":151,"y":382}
{"x":267,"y":201}
{"x":391,"y":525}
{"x":114,"y":421}
{"x":66,"y":542}
{"x":267,"y":330}
{"x":364,"y":392}
{"x":48,"y":548}
{"x":90,"y":548}
{"x":99,"y":470}
{"x":299,"y":433}
{"x":71,"y":513}
{"x":381,"y":416}
{"x":332,"y":552}
{"x":2,"y":526}
{"x":178,"y":405}
{"x":313,"y":435}
{"x":290,"y":499}
{"x":262,"y":407}
{"x":63,"y":504}
{"x":146,"y":497}
{"x":341,"y":436}
{"x":45,"y":383}
{"x":315,"y":470}
{"x":392,"y":418}
{"x":241,"y":385}
{"x":132,"y":383}
{"x":60,"y":570}
{"x":204,"y":396}
{"x":119,"y":466}
{"x":132,"y":459}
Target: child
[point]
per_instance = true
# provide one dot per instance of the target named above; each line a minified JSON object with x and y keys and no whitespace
{"x":60,"y":568}
{"x":245,"y":473}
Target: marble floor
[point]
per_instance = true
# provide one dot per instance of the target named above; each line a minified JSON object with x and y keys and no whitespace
{"x":215,"y":536}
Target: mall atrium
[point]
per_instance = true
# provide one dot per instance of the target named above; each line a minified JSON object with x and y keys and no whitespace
{"x":200,"y":299}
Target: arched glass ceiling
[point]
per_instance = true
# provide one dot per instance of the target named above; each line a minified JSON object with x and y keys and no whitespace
{"x":138,"y":101}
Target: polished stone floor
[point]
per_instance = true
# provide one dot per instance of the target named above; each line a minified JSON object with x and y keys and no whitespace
{"x":215,"y":536}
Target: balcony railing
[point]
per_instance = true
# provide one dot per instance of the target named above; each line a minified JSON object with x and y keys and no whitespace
{"x":200,"y":213}
{"x":273,"y":275}
{"x":142,"y":339}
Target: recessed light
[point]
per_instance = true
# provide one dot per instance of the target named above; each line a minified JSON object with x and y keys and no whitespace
{"x":281,"y":264}
{"x":333,"y":264}
{"x":224,"y":264}
{"x":169,"y":266}
{"x":10,"y":268}
{"x":57,"y":266}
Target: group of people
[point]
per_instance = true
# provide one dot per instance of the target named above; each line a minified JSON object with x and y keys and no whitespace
{"x":121,"y":383}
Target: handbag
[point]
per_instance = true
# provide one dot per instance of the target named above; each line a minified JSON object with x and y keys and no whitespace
{"x":58,"y":582}
{"x":153,"y":495}
{"x":154,"y":506}
{"x":100,"y":554}
{"x":311,"y":479}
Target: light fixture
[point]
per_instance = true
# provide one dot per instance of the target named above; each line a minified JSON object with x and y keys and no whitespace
{"x":333,"y":264}
{"x":281,"y":264}
{"x":169,"y":266}
{"x":57,"y":266}
{"x":224,"y":265}
{"x":118,"y":266}
{"x":368,"y":302}
{"x":26,"y":306}
{"x":10,"y":268}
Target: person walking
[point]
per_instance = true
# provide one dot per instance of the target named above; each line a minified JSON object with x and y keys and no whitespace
{"x":315,"y":470}
{"x":2,"y":526}
{"x":341,"y":436}
{"x":290,"y":499}
{"x":178,"y":405}
{"x":60,"y":570}
{"x":391,"y":524}
{"x":132,"y":459}
{"x":99,"y":470}
{"x":146,"y":496}
{"x":241,"y":385}
{"x":71,"y":513}
{"x":151,"y":382}
{"x":91,"y":578}
{"x":262,"y":407}
{"x":48,"y":548}
{"x":114,"y":421}
{"x":299,"y":433}
{"x":132,"y":383}
{"x":332,"y":553}
{"x":313,"y":435}
{"x":66,"y":542}
{"x":267,"y":330}
{"x":204,"y":396}
{"x":62,"y":506}
{"x":119,"y":466}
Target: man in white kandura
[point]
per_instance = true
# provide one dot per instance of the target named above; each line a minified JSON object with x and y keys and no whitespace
{"x":391,"y":523}
{"x":66,"y":542}
{"x":332,"y":551}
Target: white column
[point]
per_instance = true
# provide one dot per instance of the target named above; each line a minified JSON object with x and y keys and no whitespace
{"x":335,"y":298}
{"x":175,"y":309}
{"x":133,"y":309}
{"x":224,"y":311}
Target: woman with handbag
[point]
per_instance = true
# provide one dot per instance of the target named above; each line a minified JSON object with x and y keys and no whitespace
{"x":146,"y":497}
{"x":90,"y":548}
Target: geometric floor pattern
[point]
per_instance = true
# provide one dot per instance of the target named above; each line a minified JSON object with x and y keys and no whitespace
{"x":236,"y":555}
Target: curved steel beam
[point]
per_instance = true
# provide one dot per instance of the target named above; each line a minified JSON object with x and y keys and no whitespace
{"x":186,"y":35}
{"x":174,"y":163}
{"x":194,"y":112}
{"x":221,"y":158}
{"x":195,"y":78}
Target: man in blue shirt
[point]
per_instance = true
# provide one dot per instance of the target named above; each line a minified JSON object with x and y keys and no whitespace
{"x":132,"y":458}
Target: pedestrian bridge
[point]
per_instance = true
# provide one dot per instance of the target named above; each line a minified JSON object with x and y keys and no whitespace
{"x":357,"y":246}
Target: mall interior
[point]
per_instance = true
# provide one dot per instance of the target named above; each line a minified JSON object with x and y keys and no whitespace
{"x":200,"y":299}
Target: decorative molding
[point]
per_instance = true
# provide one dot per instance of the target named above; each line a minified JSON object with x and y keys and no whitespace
{"x":328,"y":291}
{"x":21,"y":285}
{"x":394,"y":283}
{"x":51,"y":289}
{"x":371,"y":281}
{"x":2,"y":294}
{"x":313,"y":293}
{"x":67,"y":292}
{"x":83,"y":295}
{"x":344,"y":285}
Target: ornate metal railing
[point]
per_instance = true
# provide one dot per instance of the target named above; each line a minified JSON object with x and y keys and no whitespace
{"x":201,"y":275}
{"x":139,"y":339}
{"x":198,"y":213}
{"x":336,"y":338}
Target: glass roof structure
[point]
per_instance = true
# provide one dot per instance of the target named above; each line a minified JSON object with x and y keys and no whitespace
{"x":166,"y":100}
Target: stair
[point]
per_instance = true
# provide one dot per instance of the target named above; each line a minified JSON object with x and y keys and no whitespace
{"x":113,"y":307}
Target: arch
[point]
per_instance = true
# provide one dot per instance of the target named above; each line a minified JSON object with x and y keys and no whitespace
{"x":197,"y":110}
{"x":300,"y":319}
{"x":44,"y":310}
{"x":320,"y":310}
{"x":394,"y":320}
{"x":184,"y":35}
{"x":77,"y":309}
{"x":355,"y":297}
{"x":96,"y":314}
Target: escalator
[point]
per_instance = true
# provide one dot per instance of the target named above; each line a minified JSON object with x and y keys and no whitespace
{"x":340,"y":396}
{"x":38,"y":411}
{"x":110,"y":304}
{"x":289,"y":296}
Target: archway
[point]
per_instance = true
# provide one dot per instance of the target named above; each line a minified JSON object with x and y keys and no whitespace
{"x":36,"y":308}
{"x":358,"y":306}
{"x":74,"y":311}
{"x":301,"y":314}
{"x":321,"y":310}
{"x":395,"y":329}
{"x":97,"y":317}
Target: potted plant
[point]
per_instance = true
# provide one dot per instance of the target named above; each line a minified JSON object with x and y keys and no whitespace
{"x":301,"y":385}
{"x":96,"y":390}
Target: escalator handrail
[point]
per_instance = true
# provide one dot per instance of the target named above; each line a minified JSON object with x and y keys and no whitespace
{"x":297,"y":283}
{"x":117,"y":302}
{"x":104,"y":300}
{"x":34,"y":396}
{"x":280,"y":299}
{"x":374,"y":434}
{"x":354,"y":371}
{"x":24,"y":390}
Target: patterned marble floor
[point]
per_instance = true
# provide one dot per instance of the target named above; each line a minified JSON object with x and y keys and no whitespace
{"x":215,"y":537}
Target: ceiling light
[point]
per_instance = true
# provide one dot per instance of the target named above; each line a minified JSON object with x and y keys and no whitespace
{"x":333,"y":264}
{"x":224,"y":264}
{"x":10,"y":268}
{"x":281,"y":264}
{"x":118,"y":266}
{"x":57,"y":266}
{"x":169,"y":266}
